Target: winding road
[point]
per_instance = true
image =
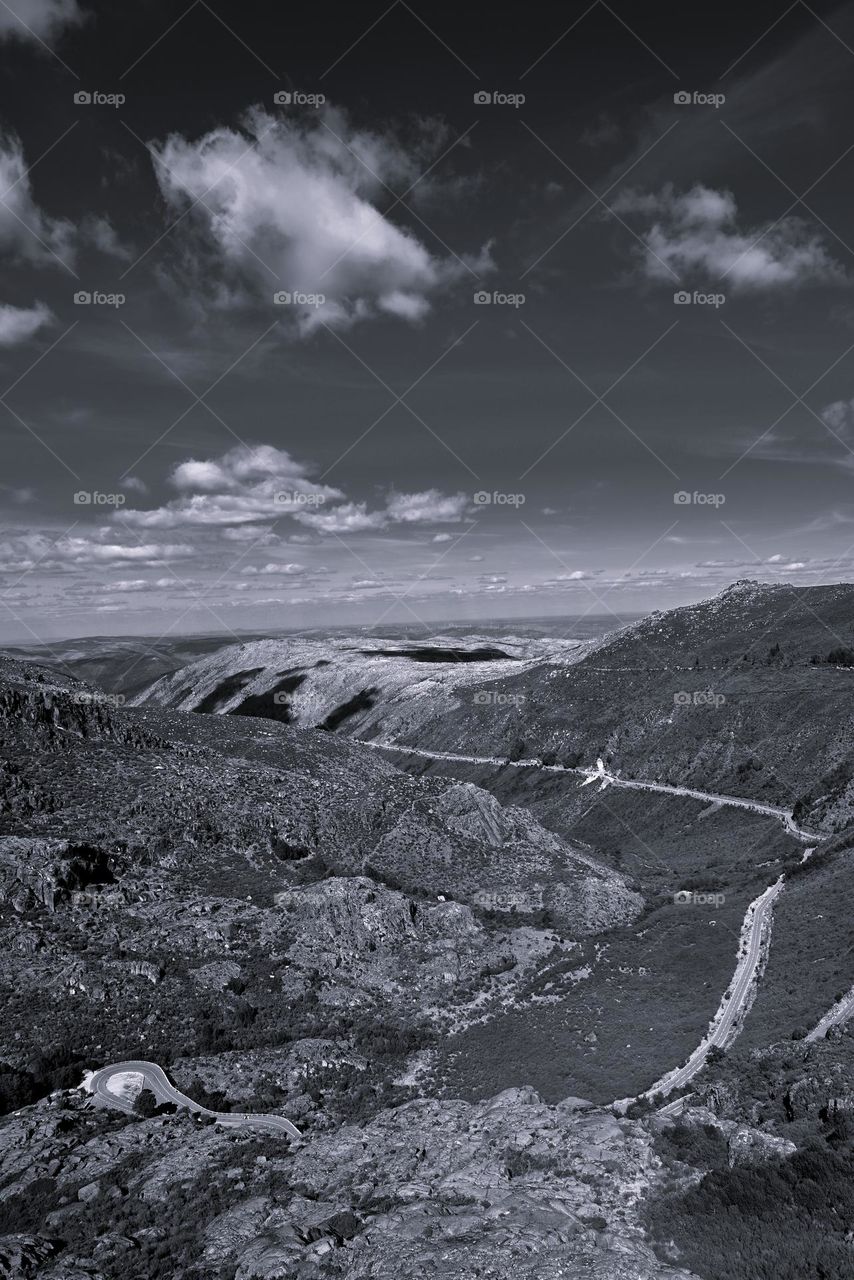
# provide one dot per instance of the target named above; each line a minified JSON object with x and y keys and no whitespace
{"x":839,"y":1013}
{"x":601,"y":775}
{"x":721,"y":1030}
{"x":757,"y":918}
{"x":155,"y":1079}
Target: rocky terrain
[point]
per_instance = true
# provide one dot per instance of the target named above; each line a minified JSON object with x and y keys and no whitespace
{"x":222,"y":881}
{"x":507,"y":1187}
{"x":358,"y":687}
{"x":719,"y":694}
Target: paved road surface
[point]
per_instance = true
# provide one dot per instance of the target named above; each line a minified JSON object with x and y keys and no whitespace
{"x":157,"y":1081}
{"x":758,"y":914}
{"x":840,"y":1012}
{"x":600,"y":774}
{"x":734,"y":1003}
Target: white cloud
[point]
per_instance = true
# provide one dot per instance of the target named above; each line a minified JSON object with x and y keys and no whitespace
{"x":17,"y":324}
{"x":249,"y":483}
{"x":20,"y":553}
{"x":351,"y":517}
{"x":297,"y":212}
{"x":839,"y":416}
{"x":102,"y":235}
{"x":291,"y":570}
{"x":428,"y":507}
{"x":695,"y":233}
{"x":26,"y":232}
{"x":259,"y":535}
{"x":37,"y":19}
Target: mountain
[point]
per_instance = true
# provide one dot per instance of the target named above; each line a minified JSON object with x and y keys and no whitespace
{"x":444,"y":973}
{"x":358,"y":686}
{"x":747,"y":693}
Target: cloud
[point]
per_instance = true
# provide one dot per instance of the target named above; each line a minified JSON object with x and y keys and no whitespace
{"x":291,"y":570}
{"x":258,"y":535}
{"x":248,"y":483}
{"x":102,"y":235}
{"x":26,"y":232}
{"x":427,"y":507}
{"x":20,"y":553}
{"x":290,"y":204}
{"x":695,"y":234}
{"x":241,"y":491}
{"x":351,"y":517}
{"x":839,"y":416}
{"x":37,"y":19}
{"x":17,"y":324}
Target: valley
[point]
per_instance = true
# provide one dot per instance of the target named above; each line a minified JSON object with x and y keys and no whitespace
{"x":378,"y":902}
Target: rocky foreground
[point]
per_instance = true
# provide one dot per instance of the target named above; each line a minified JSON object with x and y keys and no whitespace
{"x":505,"y":1188}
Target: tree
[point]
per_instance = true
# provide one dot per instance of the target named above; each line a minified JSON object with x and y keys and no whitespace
{"x":146,"y":1104}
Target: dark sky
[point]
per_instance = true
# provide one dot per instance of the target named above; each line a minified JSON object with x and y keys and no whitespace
{"x":254,"y":463}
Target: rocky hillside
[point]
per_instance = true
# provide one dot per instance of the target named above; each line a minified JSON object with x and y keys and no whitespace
{"x":505,"y":1188}
{"x":358,"y":687}
{"x":747,"y":693}
{"x":172,"y":884}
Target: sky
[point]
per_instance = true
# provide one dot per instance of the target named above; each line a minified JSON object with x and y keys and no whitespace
{"x":357,"y":313}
